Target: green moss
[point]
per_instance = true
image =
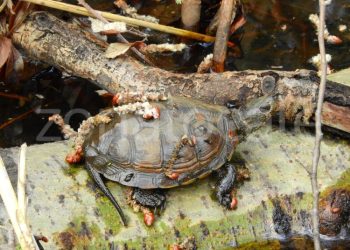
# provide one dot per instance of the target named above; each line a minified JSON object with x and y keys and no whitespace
{"x":214,"y":234}
{"x":73,"y":169}
{"x":261,"y":245}
{"x":297,"y":242}
{"x":81,"y":235}
{"x":209,"y":234}
{"x":219,"y":234}
{"x":109,"y":214}
{"x":343,"y":182}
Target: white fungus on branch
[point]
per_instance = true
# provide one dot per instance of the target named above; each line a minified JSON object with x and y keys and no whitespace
{"x":132,"y":97}
{"x":331,"y":39}
{"x":131,"y":11}
{"x":99,"y":26}
{"x":342,"y":27}
{"x":206,"y":64}
{"x":316,"y":61}
{"x":165,"y":47}
{"x":66,"y":129}
{"x":139,"y":108}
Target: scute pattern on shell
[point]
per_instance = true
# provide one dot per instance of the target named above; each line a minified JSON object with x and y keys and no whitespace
{"x":136,"y":152}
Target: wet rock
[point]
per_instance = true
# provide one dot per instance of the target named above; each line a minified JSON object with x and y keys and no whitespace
{"x":334,"y":211}
{"x":281,"y":220}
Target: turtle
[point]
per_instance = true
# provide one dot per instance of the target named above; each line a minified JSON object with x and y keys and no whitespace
{"x":190,"y":140}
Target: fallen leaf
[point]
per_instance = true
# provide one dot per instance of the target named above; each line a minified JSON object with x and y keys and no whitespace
{"x":22,"y":10}
{"x":5,"y":50}
{"x":117,"y":49}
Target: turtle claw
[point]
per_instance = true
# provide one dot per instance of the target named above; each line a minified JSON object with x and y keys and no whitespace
{"x":225,"y":200}
{"x":147,"y":200}
{"x":225,"y":185}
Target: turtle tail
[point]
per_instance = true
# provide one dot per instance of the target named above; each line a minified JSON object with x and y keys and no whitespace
{"x":99,"y":182}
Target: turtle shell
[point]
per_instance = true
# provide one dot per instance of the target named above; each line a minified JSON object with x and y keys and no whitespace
{"x":149,"y":153}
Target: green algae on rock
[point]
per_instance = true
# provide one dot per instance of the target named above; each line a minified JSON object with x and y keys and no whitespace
{"x":276,"y":161}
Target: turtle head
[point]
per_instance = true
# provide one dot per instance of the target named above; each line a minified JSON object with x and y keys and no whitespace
{"x":254,"y":115}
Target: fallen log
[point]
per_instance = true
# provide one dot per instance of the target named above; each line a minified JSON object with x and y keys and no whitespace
{"x":44,"y":37}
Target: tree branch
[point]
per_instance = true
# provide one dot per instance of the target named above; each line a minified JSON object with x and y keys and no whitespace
{"x":222,"y":34}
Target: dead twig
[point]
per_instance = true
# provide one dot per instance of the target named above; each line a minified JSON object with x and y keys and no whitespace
{"x":222,"y":34}
{"x":10,"y":201}
{"x":22,"y":200}
{"x":22,"y":180}
{"x":7,"y":3}
{"x":19,"y":117}
{"x":14,"y":96}
{"x":316,"y":153}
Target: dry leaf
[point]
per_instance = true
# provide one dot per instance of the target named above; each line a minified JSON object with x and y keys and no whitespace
{"x":10,"y":58}
{"x":117,"y":49}
{"x":22,"y":10}
{"x":8,"y":4}
{"x":5,"y":50}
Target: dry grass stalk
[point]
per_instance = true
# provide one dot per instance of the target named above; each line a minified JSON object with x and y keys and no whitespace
{"x":17,"y":209}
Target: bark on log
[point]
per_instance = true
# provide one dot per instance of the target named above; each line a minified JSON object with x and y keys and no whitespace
{"x":336,"y":116}
{"x":46,"y":38}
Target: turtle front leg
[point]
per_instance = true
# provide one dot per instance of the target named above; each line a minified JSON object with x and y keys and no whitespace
{"x":227,"y":176}
{"x":147,"y":200}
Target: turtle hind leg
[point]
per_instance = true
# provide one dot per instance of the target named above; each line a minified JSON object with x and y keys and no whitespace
{"x":152,"y":198}
{"x":146,"y":199}
{"x":227,"y":176}
{"x":99,"y":182}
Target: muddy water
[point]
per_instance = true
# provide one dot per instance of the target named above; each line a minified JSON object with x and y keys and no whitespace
{"x":277,"y":35}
